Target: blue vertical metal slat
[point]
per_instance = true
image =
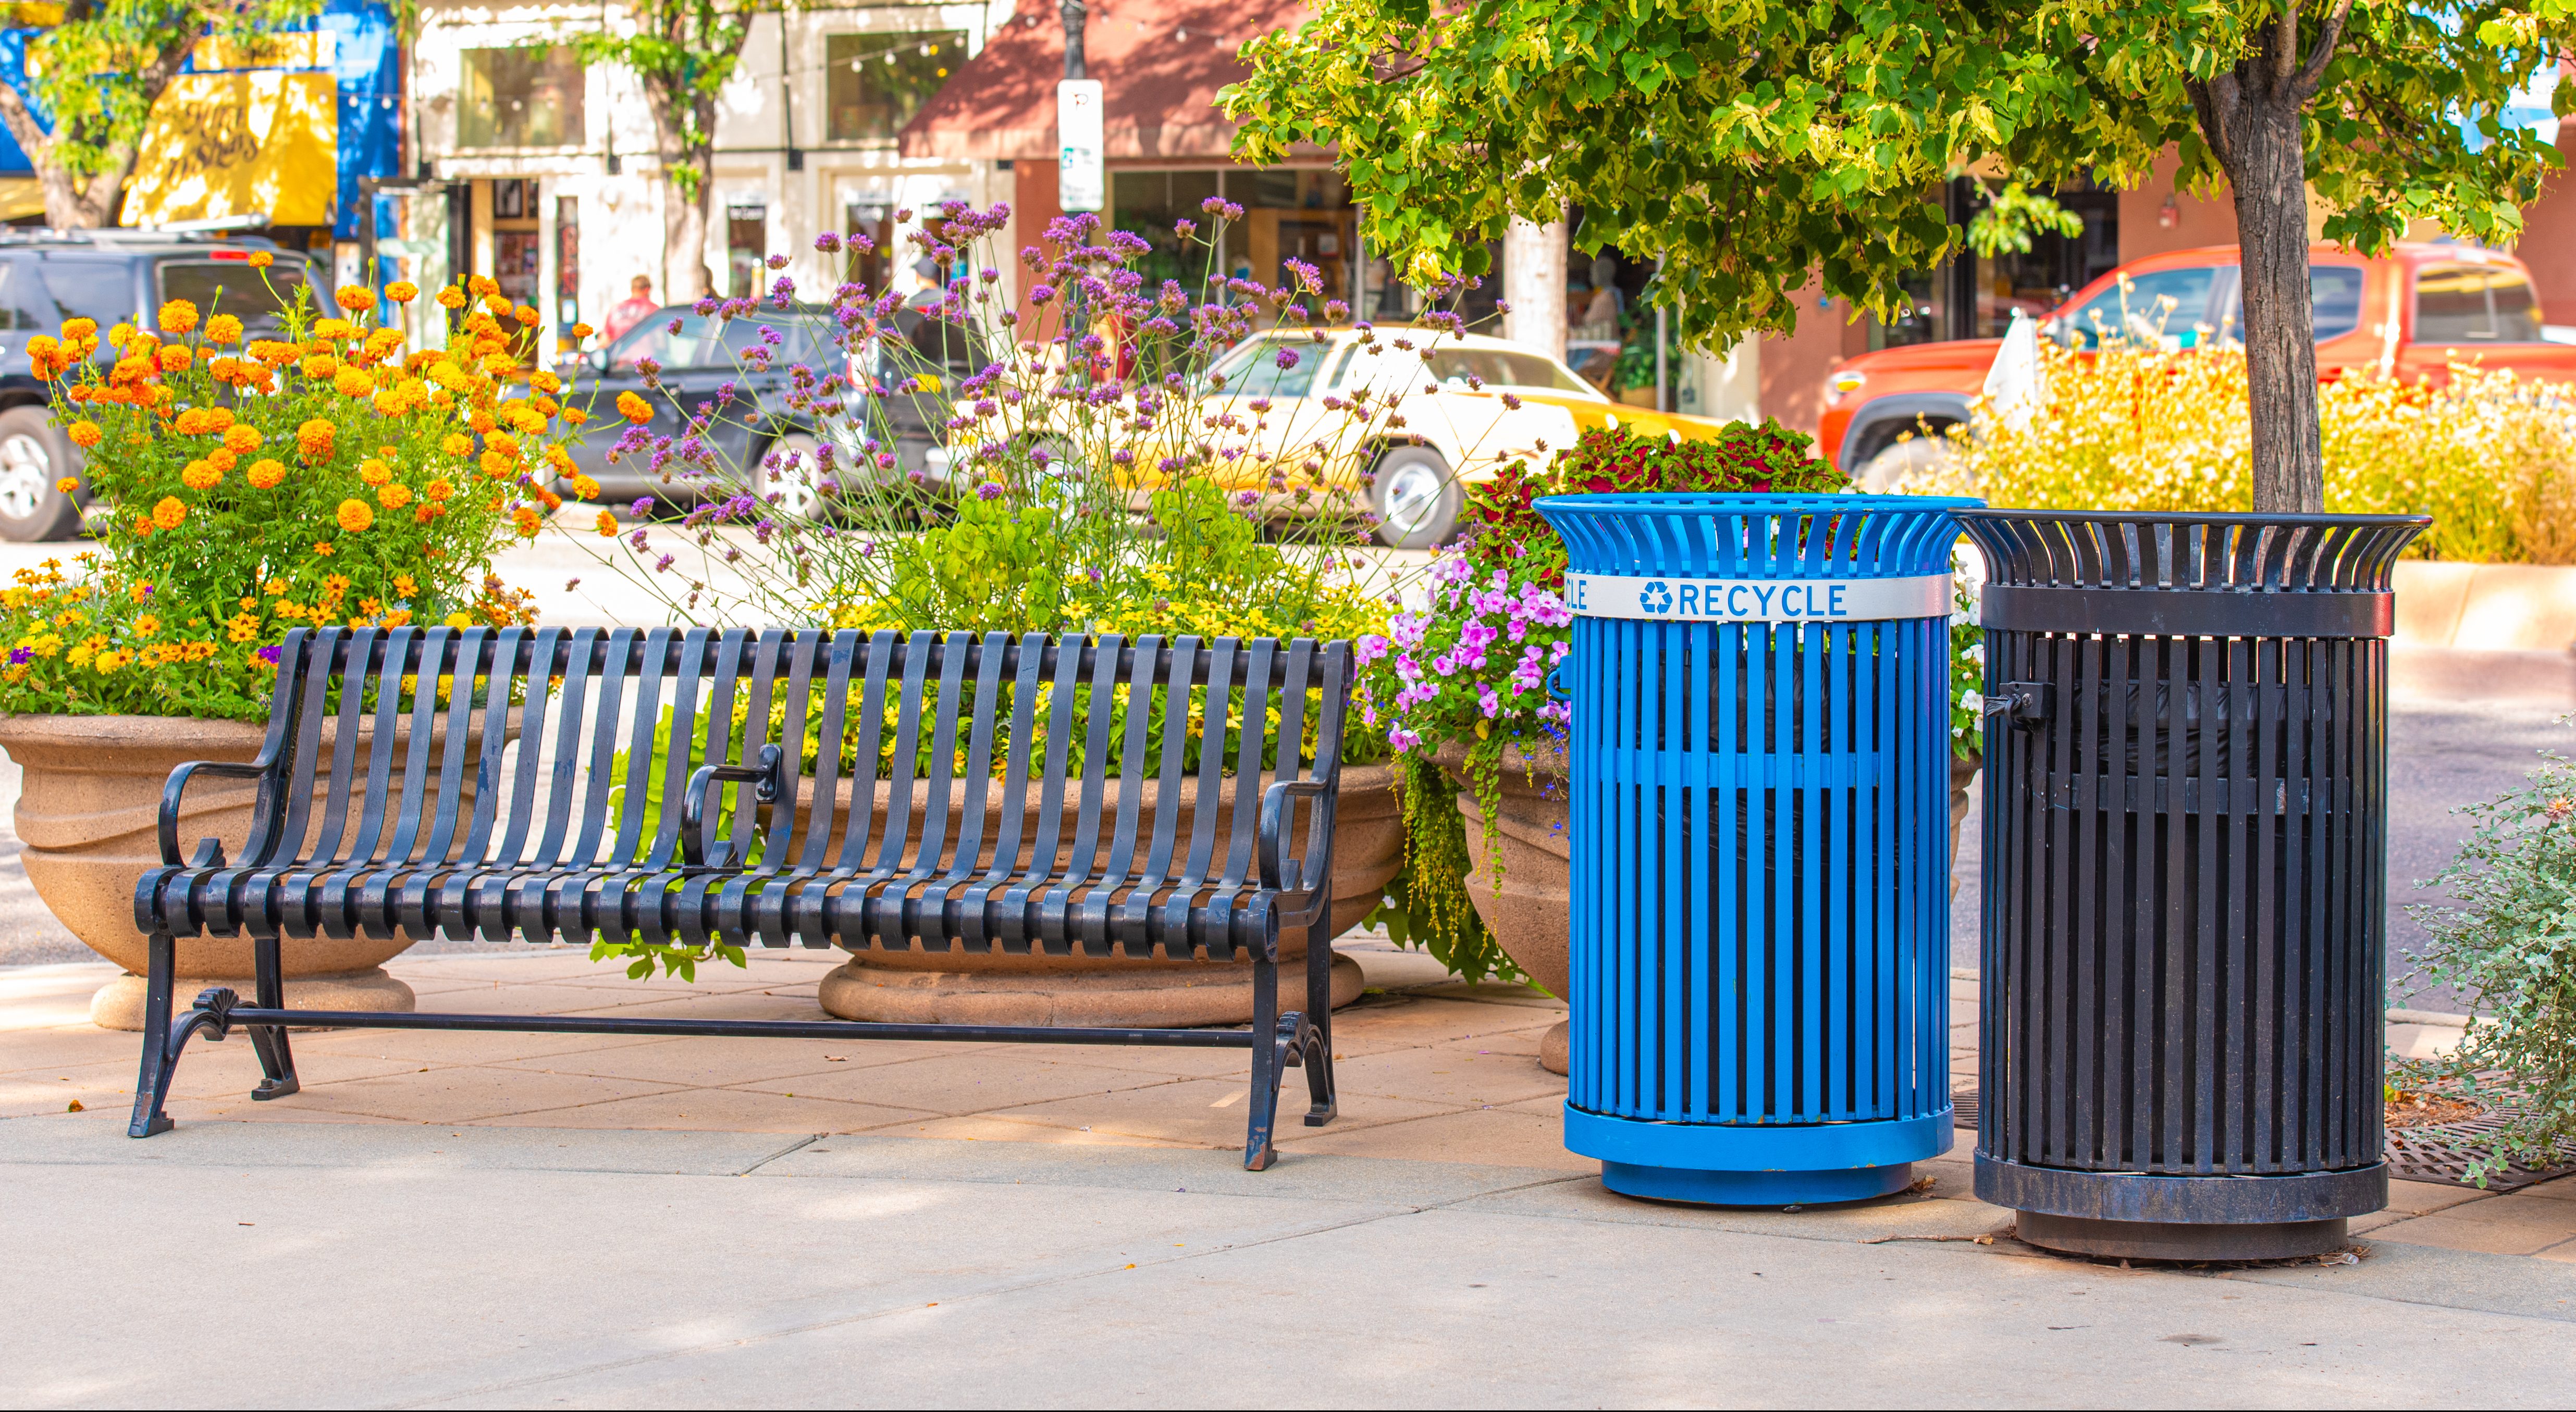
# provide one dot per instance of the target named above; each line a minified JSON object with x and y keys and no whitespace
{"x":1767,"y":1020}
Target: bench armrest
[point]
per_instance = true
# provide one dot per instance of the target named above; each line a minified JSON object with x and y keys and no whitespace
{"x":693,"y":806}
{"x":210,"y":852}
{"x":1273,"y":850}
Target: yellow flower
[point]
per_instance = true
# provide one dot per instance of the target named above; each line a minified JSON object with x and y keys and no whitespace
{"x":110,"y":661}
{"x":406,"y":585}
{"x":497,"y":466}
{"x":200,"y":476}
{"x":526,"y":314}
{"x":322,"y":547}
{"x":545,"y":382}
{"x":584,"y":488}
{"x":241,"y":627}
{"x":579,"y":332}
{"x":178,"y":316}
{"x":148,"y":624}
{"x":170,"y":513}
{"x":86,"y":434}
{"x":457,"y":444}
{"x":607,"y":524}
{"x":223,"y":459}
{"x":395,"y":496}
{"x":402,"y":291}
{"x":356,"y":298}
{"x":68,"y":485}
{"x":332,"y":329}
{"x":261,"y":259}
{"x":265,"y":474}
{"x":526,"y":418}
{"x":483,"y":286}
{"x":355,"y":516}
{"x":634,"y":409}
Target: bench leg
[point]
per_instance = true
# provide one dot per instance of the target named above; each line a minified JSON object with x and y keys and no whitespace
{"x":1315,"y":1038}
{"x":276,"y":1061}
{"x":152,"y":1085}
{"x":1267,"y":1067}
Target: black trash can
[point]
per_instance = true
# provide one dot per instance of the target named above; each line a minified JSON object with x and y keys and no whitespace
{"x":2185,"y":877}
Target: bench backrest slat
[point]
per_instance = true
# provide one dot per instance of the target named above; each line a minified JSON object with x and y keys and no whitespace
{"x":1122,"y":799}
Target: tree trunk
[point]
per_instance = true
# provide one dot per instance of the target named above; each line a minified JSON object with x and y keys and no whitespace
{"x":2269,"y":175}
{"x":2251,"y":116}
{"x":684,"y":236}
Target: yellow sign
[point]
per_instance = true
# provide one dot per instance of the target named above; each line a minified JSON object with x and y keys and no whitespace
{"x":298,"y":49}
{"x":255,"y":144}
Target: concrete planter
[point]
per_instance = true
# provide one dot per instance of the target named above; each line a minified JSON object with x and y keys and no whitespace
{"x":1528,"y":913}
{"x":87,"y":813}
{"x":956,"y":987}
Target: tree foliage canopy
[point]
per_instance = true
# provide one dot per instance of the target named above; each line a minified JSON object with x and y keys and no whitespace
{"x":683,"y":52}
{"x":1745,"y":143}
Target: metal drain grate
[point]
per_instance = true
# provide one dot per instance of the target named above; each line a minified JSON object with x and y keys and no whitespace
{"x":2417,"y":1154}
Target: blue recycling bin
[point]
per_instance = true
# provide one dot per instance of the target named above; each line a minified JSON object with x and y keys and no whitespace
{"x":1760,"y":779}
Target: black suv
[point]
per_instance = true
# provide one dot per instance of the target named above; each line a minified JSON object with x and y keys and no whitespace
{"x":48,"y":276}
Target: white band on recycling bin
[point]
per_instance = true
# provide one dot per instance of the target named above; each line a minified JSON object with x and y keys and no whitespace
{"x":1689,"y":600}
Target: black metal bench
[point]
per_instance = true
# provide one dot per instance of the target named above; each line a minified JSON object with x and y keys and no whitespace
{"x":1036,"y":831}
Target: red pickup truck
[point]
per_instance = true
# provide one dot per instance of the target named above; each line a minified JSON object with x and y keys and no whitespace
{"x":2410,"y":312}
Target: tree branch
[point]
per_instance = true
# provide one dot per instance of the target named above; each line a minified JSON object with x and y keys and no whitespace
{"x":2285,"y":44}
{"x":2313,"y":72}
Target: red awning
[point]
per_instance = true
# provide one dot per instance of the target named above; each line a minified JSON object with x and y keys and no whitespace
{"x":1160,"y":64}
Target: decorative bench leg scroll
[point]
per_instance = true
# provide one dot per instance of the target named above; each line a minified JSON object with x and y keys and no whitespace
{"x":1315,"y":1038}
{"x":276,"y":1062}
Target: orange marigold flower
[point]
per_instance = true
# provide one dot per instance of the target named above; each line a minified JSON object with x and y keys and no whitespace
{"x":451,"y":297}
{"x":457,"y":444}
{"x":170,"y":513}
{"x":584,"y":488}
{"x":498,"y":466}
{"x":223,"y":328}
{"x":574,"y":416}
{"x":80,"y":328}
{"x":265,"y":473}
{"x":526,"y":315}
{"x":506,"y":445}
{"x":261,"y":259}
{"x":68,"y":485}
{"x":482,"y":423}
{"x":355,"y":516}
{"x":175,"y":359}
{"x":356,"y":298}
{"x":394,"y":496}
{"x":178,"y":316}
{"x":85,"y":434}
{"x":200,"y":475}
{"x":321,"y":367}
{"x":402,"y":291}
{"x":374,"y":472}
{"x":353,"y":383}
{"x":580,"y":331}
{"x":439,"y":489}
{"x":483,"y":286}
{"x":314,"y":439}
{"x":239,"y":438}
{"x":634,"y":409}
{"x":608,"y":524}
{"x":223,"y":458}
{"x":528,"y":521}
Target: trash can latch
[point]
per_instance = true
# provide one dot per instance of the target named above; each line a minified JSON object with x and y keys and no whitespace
{"x":2024,"y":704}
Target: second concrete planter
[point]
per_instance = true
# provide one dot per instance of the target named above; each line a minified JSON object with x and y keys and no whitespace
{"x":1526,"y":909}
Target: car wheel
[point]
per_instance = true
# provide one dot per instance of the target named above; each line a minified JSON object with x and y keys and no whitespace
{"x":33,"y":456}
{"x":1416,"y":499}
{"x":1914,"y":456}
{"x":790,"y":468}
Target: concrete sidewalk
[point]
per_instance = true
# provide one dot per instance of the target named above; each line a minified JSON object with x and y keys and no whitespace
{"x":509,"y":1219}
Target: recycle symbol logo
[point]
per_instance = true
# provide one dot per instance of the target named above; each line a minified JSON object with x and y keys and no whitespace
{"x":1656,"y":598}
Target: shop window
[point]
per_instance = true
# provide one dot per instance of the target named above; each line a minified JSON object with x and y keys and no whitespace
{"x":567,"y":266}
{"x":526,"y":97}
{"x":874,"y":83}
{"x":746,"y":246}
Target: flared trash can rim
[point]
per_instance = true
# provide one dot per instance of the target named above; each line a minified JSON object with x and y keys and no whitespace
{"x":1979,"y":510}
{"x":1596,"y":502}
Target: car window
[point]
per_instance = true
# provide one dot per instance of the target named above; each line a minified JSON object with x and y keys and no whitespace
{"x":1254,"y":367}
{"x":90,"y":289}
{"x":256,"y":297}
{"x":24,"y":303}
{"x":2334,"y":296}
{"x":795,"y":340}
{"x":1496,"y":367}
{"x":2161,"y":308}
{"x":679,"y":337}
{"x":2474,"y":303}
